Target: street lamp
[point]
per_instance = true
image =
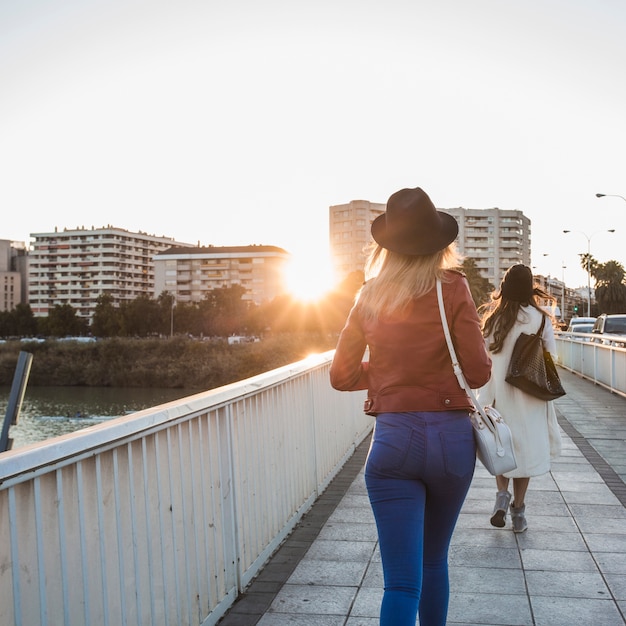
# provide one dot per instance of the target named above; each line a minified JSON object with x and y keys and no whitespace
{"x":588,"y":237}
{"x":563,"y":268}
{"x":172,"y":317}
{"x":610,"y":195}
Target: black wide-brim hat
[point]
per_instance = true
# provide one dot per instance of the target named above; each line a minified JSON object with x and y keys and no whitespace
{"x":412,"y":225}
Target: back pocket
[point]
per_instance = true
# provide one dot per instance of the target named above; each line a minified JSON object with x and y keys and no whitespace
{"x":459,"y":452}
{"x":390,"y":447}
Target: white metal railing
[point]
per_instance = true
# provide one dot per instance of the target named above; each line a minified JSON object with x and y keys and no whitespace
{"x":164,"y":516}
{"x":595,"y":358}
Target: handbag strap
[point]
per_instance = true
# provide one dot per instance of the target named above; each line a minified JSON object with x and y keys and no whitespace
{"x":457,"y":368}
{"x":543,"y":323}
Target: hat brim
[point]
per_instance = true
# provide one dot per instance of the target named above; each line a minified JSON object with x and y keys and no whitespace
{"x":448,"y":232}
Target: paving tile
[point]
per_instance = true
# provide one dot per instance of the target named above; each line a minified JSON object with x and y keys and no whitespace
{"x":477,"y":556}
{"x":362,"y":621}
{"x":341,"y":550}
{"x":313,"y":572}
{"x":316,"y":600}
{"x":568,"y":611}
{"x":611,"y":562}
{"x":469,"y":579}
{"x":354,"y":500}
{"x":278,"y":619}
{"x":617,"y":585}
{"x":558,"y":560}
{"x":567,"y":584}
{"x":367,"y":603}
{"x":614,"y":511}
{"x":544,"y":523}
{"x":602,"y":525}
{"x":603,"y":495}
{"x":487,"y":536}
{"x":546,"y":540}
{"x":346,"y":514}
{"x":606,"y":543}
{"x":489,"y":608}
{"x":344,"y":531}
{"x":374,"y":575}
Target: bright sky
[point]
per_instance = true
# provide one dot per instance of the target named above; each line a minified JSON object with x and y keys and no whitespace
{"x":232,"y":122}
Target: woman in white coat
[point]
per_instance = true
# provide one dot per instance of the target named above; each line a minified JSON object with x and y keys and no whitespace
{"x":536,"y":437}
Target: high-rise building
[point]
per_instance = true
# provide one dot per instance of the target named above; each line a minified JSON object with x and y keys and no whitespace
{"x":494,"y":238}
{"x":76,"y":266}
{"x":349,"y":232}
{"x":190,"y":273}
{"x":13,"y":274}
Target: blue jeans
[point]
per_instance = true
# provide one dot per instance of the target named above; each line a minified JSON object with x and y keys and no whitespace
{"x":418,"y":471}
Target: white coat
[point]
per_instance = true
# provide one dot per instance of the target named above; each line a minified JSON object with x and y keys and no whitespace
{"x":534,"y":427}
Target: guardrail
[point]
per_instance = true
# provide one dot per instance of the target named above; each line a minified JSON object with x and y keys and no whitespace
{"x":594,"y":357}
{"x":164,"y":516}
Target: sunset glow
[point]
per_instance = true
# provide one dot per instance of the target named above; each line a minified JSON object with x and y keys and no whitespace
{"x":309,"y":279}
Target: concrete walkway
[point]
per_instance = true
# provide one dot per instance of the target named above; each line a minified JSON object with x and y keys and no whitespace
{"x":568,"y":568}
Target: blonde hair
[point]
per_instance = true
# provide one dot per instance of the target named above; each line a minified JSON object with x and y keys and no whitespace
{"x":394,"y":279}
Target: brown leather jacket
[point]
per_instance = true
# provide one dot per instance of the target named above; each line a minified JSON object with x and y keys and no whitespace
{"x":409,"y":366}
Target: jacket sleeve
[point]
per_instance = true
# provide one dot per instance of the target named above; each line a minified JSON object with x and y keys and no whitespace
{"x":468,"y":340}
{"x":348,"y":371}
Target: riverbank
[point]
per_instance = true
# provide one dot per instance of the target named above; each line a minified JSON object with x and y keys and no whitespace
{"x":172,"y":363}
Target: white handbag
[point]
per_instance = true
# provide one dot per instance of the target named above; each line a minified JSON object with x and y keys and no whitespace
{"x":494,"y":444}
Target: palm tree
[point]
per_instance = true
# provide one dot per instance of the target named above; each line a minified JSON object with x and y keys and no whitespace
{"x":480,"y":287}
{"x":610,"y":287}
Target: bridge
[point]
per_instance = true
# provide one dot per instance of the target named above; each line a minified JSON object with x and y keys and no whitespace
{"x":246,"y":505}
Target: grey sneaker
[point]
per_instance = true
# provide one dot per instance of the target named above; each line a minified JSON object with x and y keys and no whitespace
{"x":503,"y":498}
{"x":518,"y":519}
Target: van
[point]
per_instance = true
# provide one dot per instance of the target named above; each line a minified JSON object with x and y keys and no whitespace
{"x":611,"y":325}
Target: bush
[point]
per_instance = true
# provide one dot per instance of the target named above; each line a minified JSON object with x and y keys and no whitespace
{"x":168,"y":363}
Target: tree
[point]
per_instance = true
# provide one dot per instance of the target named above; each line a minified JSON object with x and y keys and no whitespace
{"x":480,"y":287}
{"x":141,"y":317}
{"x":224,"y":311}
{"x":588,"y":263}
{"x":610,"y":287}
{"x":20,"y":322}
{"x":62,"y":322}
{"x":106,"y":317}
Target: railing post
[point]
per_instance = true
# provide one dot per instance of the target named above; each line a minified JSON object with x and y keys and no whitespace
{"x":20,"y":378}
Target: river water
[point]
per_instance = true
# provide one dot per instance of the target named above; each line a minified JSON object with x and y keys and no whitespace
{"x":51,"y":411}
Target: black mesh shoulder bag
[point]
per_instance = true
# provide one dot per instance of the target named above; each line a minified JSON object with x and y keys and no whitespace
{"x":532,"y":369}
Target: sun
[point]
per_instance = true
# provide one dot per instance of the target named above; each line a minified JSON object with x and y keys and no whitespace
{"x":309,"y":278}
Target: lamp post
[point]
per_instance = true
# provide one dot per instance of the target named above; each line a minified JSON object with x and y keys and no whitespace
{"x":172,"y":316}
{"x":610,"y":195}
{"x":563,"y":267}
{"x":588,"y":238}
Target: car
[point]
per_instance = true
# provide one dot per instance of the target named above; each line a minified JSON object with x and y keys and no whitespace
{"x":575,"y":321}
{"x":581,"y":328}
{"x":614,"y":324}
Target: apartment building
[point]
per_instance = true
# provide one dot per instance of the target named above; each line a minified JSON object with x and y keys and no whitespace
{"x":494,"y":238}
{"x":76,"y":266}
{"x":190,"y":273}
{"x":13,"y":274}
{"x":349,"y":232}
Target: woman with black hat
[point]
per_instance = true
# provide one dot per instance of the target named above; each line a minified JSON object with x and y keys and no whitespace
{"x":422,"y":455}
{"x":514,"y":309}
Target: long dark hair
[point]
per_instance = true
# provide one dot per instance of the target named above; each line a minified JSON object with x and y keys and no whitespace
{"x":500,"y":314}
